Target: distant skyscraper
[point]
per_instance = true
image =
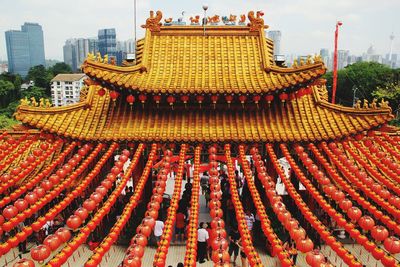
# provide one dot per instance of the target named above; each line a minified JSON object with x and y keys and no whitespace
{"x":107,"y":42}
{"x":325,"y":57}
{"x":69,"y":53}
{"x":76,"y":51}
{"x":343,"y":59}
{"x":25,"y":48}
{"x":276,"y":37}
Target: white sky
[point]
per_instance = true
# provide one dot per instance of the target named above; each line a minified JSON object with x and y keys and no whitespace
{"x":306,"y":25}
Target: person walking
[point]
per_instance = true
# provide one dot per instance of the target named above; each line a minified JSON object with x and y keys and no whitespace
{"x":234,"y":237}
{"x":180,"y":226}
{"x":158,"y":230}
{"x":243,"y":257}
{"x":202,"y":237}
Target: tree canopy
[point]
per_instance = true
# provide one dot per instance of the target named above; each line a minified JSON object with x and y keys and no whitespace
{"x":364,"y":77}
{"x":59,"y":68}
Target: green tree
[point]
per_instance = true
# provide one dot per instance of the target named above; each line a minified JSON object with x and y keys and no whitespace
{"x":365,"y":77}
{"x":36,"y":92}
{"x":41,"y":76}
{"x":60,"y":67}
{"x":7,"y":92}
{"x":6,"y":122}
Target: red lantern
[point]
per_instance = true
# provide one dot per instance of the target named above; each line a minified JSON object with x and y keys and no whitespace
{"x":242,"y":98}
{"x":96,"y":197}
{"x":40,"y":253}
{"x":37,"y":193}
{"x":157,"y":98}
{"x":305,"y":245}
{"x":64,"y":234}
{"x":24,"y":263}
{"x":185,"y":99}
{"x":132,"y":261}
{"x":10,"y":212}
{"x":130,"y":99}
{"x":345,"y":204}
{"x":214,"y":99}
{"x":200,"y":99}
{"x":354,"y":213}
{"x":101,"y":92}
{"x":82,"y":213}
{"x":5,"y":178}
{"x":366,"y":223}
{"x":74,"y":222}
{"x":114,"y":95}
{"x":89,"y":204}
{"x":392,"y":244}
{"x":219,"y":243}
{"x":149,"y":221}
{"x":46,"y":185}
{"x":269,"y":98}
{"x":52,"y":241}
{"x":256,"y":98}
{"x":283,"y":97}
{"x":136,"y":250}
{"x":144,"y":230}
{"x":142,"y":98}
{"x":17,"y":170}
{"x":315,"y":258}
{"x":297,"y":234}
{"x":379,"y":233}
{"x":229,"y":98}
{"x":171,"y":100}
{"x":21,"y":204}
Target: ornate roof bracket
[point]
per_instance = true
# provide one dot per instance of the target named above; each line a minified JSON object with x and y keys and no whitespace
{"x":153,"y":23}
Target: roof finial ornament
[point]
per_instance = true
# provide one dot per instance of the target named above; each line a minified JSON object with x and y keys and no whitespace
{"x":365,"y":104}
{"x":242,"y":20}
{"x":195,"y":20}
{"x":309,"y":60}
{"x":384,"y":104}
{"x":317,"y":58}
{"x":256,"y":22}
{"x":153,"y":23}
{"x":373,"y":103}
{"x":294,"y":65}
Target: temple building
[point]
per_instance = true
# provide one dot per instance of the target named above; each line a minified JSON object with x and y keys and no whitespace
{"x":321,"y":181}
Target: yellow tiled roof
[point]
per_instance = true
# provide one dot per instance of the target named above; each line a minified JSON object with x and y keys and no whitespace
{"x":303,"y":119}
{"x":227,"y":59}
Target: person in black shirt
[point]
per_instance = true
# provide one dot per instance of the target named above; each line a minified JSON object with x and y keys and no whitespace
{"x":234,"y":236}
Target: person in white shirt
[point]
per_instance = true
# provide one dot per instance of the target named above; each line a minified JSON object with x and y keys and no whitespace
{"x":202,"y":237}
{"x":158,"y":230}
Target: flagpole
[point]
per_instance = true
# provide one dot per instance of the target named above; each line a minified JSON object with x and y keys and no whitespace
{"x":335,"y":62}
{"x":134,"y":25}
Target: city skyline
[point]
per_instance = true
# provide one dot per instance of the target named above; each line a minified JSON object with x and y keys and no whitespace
{"x":303,"y":31}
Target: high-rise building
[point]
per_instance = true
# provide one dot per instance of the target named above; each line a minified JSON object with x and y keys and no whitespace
{"x":107,"y":42}
{"x":276,"y":37}
{"x":324,"y":52}
{"x":343,"y":57}
{"x":69,"y":53}
{"x":25,"y":48}
{"x":76,"y":50}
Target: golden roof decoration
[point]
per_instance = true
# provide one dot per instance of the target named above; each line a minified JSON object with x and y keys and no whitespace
{"x":256,"y":22}
{"x":179,"y":59}
{"x":153,"y":22}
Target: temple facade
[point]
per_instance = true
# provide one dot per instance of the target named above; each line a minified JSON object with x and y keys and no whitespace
{"x":204,"y":99}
